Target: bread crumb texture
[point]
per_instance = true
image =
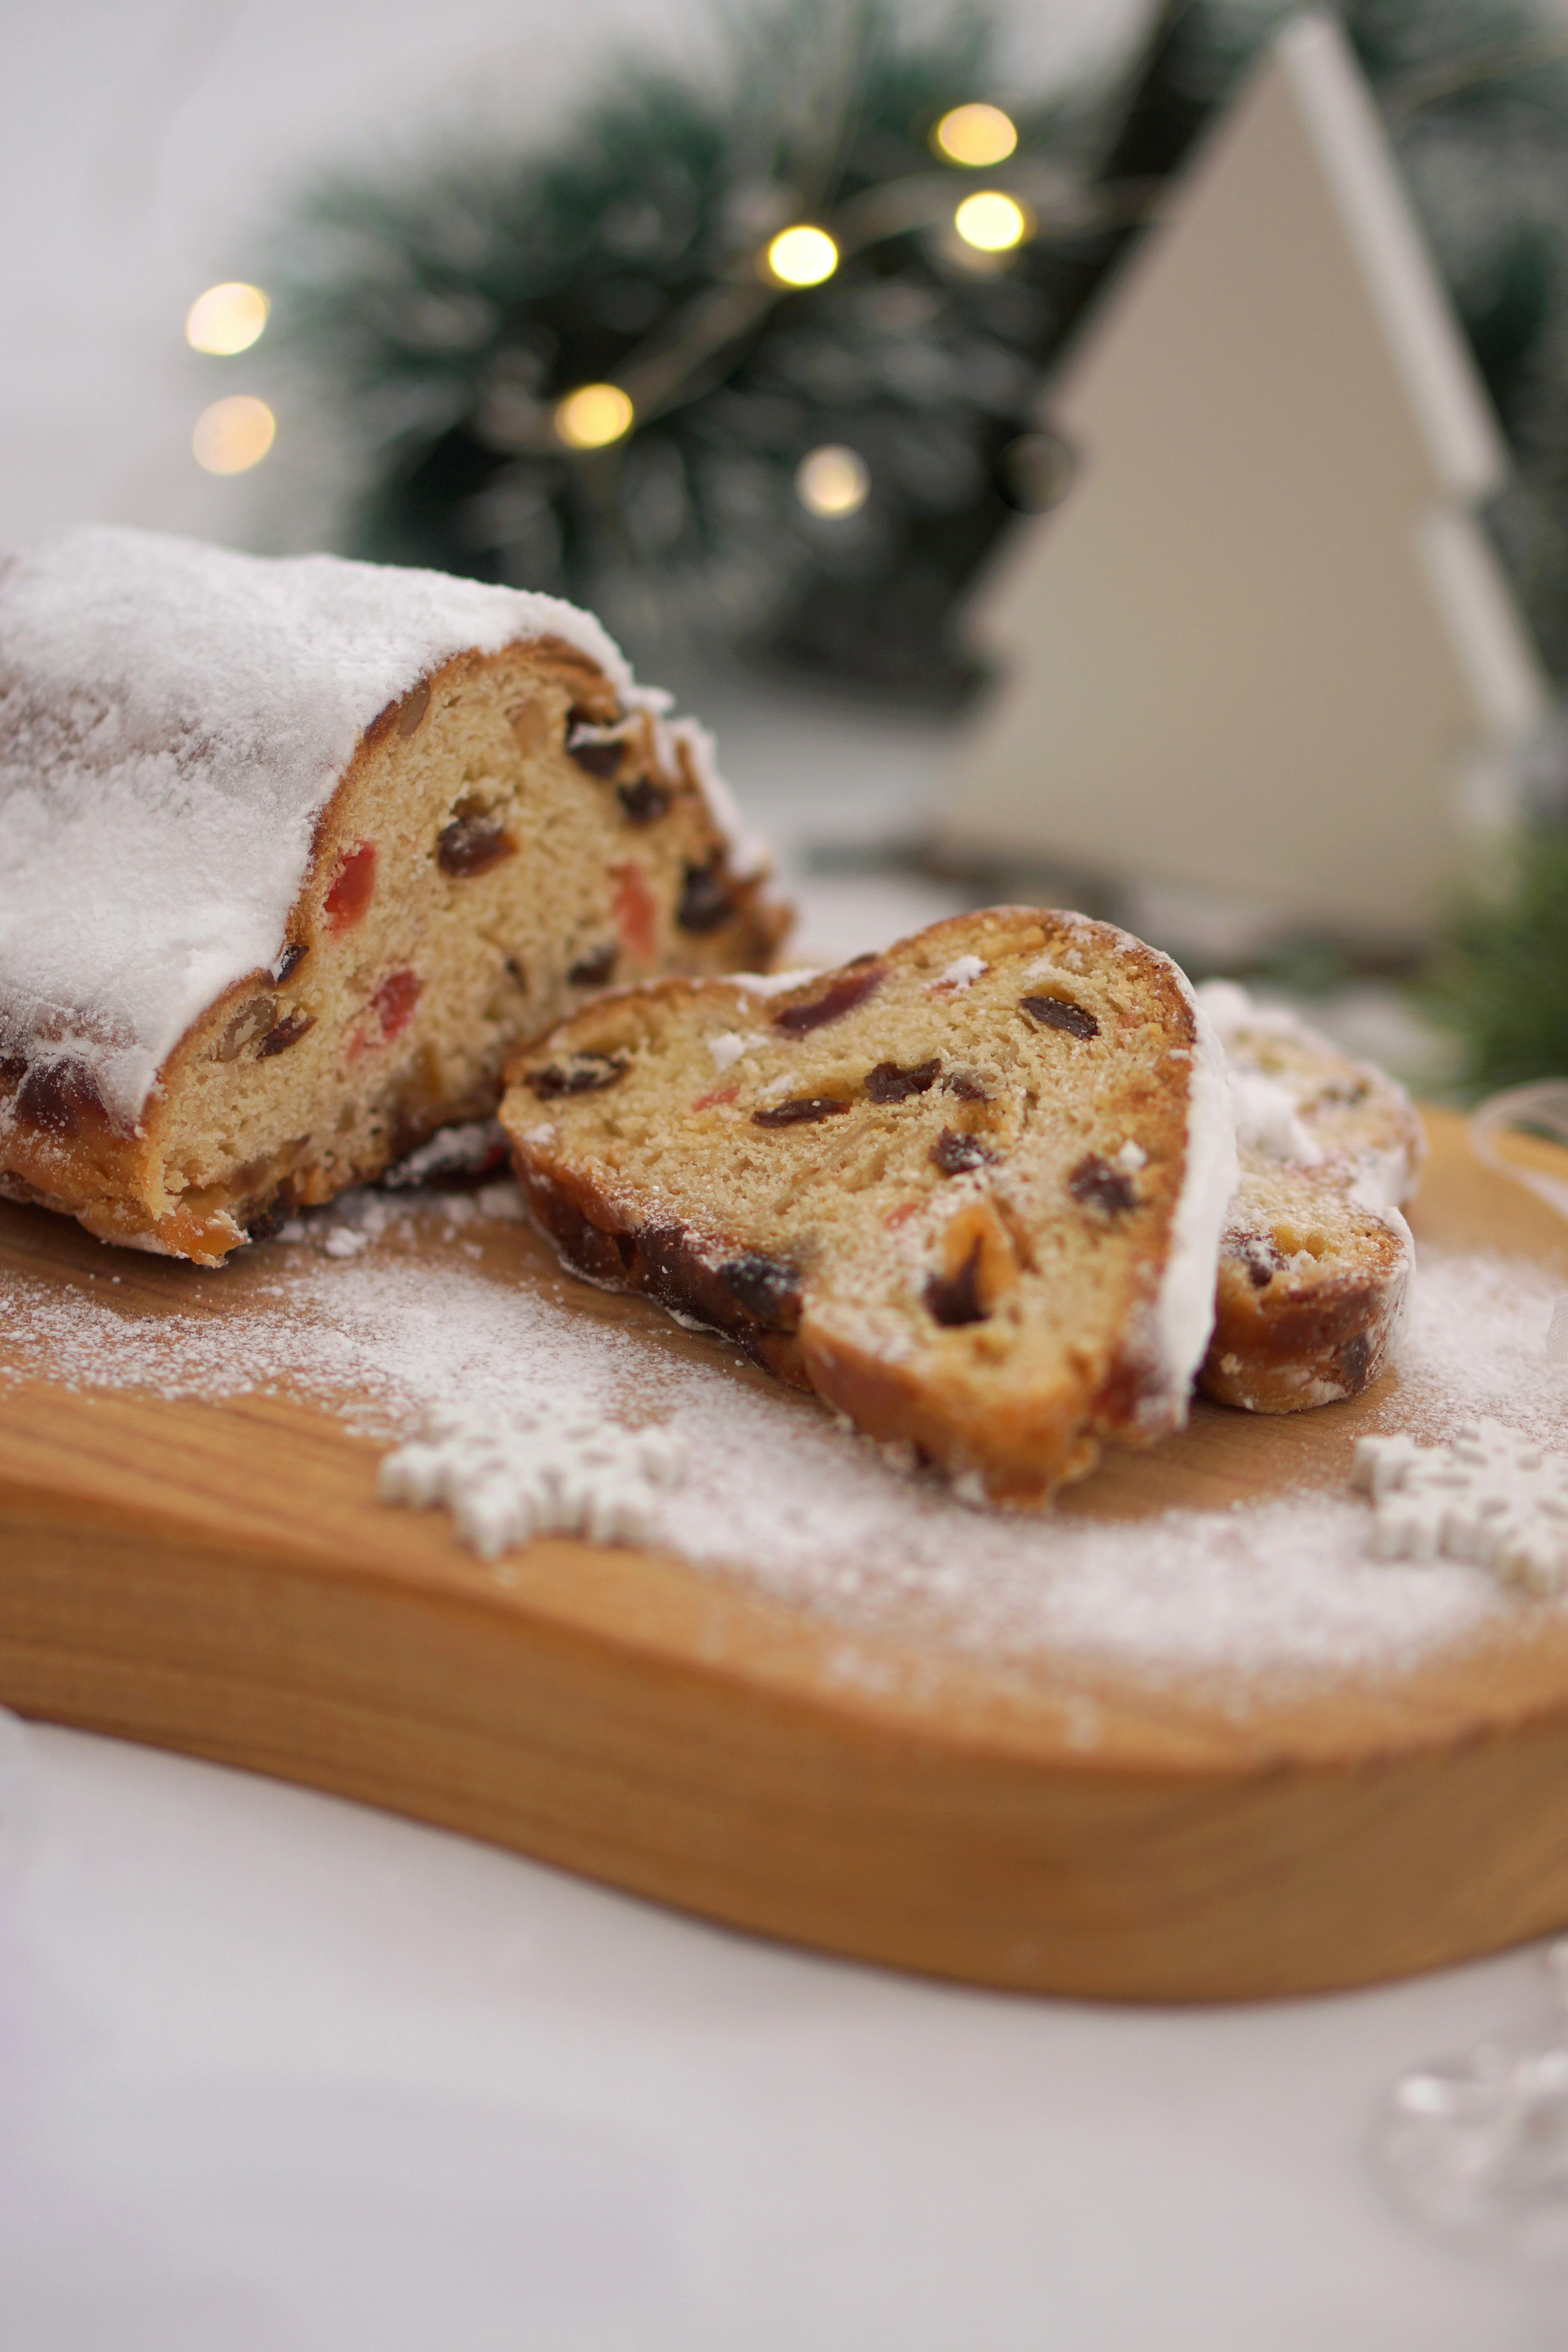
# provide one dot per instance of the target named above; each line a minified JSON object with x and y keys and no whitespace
{"x":938,"y":1186}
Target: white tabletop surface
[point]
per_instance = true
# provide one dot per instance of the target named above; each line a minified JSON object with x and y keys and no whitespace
{"x":280,"y":2074}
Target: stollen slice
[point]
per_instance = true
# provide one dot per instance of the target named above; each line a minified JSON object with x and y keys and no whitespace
{"x":970,"y":1191}
{"x":1317,"y":1261}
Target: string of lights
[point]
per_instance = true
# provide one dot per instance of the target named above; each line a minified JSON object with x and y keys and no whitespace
{"x":765,"y":357}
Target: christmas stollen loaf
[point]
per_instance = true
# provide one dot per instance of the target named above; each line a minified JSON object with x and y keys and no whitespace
{"x":297,"y":852}
{"x":1317,"y":1260}
{"x":970,"y":1191}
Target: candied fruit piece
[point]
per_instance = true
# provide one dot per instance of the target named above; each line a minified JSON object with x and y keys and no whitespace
{"x":394,"y":1001}
{"x":1096,"y":1184}
{"x":850,"y":989}
{"x":580,"y":1073}
{"x":706,"y":904}
{"x":472,"y":844}
{"x":644,"y":801}
{"x":888,"y":1084}
{"x":956,"y":1154}
{"x":767,"y":1287}
{"x":351,"y":889}
{"x":801,"y":1110}
{"x":1060,"y":1012}
{"x":594,"y":969}
{"x":246,"y":1027}
{"x":284,"y":1034}
{"x":412,"y":709}
{"x":635,"y":911}
{"x":590,"y":750}
{"x":58,"y":1095}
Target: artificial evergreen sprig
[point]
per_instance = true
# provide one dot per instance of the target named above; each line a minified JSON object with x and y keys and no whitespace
{"x":446,"y":322}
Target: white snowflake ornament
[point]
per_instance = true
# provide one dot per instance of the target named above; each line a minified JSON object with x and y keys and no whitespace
{"x":1490,"y":1496}
{"x":504,"y":1483}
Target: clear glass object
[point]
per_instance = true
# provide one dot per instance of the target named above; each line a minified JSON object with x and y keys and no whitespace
{"x":1477,"y":2146}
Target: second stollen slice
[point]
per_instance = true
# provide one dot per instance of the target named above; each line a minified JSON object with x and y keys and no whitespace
{"x":970,"y":1191}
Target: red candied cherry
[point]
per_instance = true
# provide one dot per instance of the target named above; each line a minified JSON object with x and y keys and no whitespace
{"x":394,"y":1001}
{"x":635,"y":911}
{"x":351,"y":889}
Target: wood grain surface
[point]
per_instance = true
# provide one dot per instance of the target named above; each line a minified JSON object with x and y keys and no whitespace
{"x":219,"y":1579}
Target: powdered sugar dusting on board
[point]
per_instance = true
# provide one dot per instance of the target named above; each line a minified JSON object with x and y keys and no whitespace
{"x":172,"y":721}
{"x":779,"y":1498}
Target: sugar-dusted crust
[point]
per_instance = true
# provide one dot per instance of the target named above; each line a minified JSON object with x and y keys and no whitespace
{"x":1317,"y":1261}
{"x":945,"y":1187}
{"x":516,"y":827}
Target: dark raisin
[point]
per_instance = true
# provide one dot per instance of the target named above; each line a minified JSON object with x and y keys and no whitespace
{"x":955,"y":1299}
{"x":643,"y":802}
{"x":593,"y":969}
{"x":266,"y":1223}
{"x":1059,"y":1012}
{"x":58,"y":1096}
{"x":589,"y":749}
{"x":765,"y":1287}
{"x":888,"y":1083}
{"x":850,"y":989}
{"x":1258,"y":1255}
{"x":1098,"y":1186}
{"x":292,"y":957}
{"x":472,"y":844}
{"x":801,"y":1110}
{"x":956,"y":1154}
{"x":1353,"y":1362}
{"x":706,"y":904}
{"x":966,"y":1087}
{"x":582,"y":1073}
{"x":284,"y":1034}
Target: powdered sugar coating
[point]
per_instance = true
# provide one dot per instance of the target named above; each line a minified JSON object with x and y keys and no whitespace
{"x":1184,"y":1311}
{"x":173,"y":718}
{"x":786,"y":1503}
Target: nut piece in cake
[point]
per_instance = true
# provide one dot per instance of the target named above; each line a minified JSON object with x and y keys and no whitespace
{"x":298,"y":852}
{"x":975,"y":1228}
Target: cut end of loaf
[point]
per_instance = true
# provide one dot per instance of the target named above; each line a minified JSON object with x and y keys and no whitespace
{"x":509,"y":839}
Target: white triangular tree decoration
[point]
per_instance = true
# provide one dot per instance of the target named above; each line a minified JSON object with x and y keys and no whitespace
{"x":1263,"y":646}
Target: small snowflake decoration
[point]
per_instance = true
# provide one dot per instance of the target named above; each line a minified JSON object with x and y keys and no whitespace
{"x":504,"y":1483}
{"x":1490,"y":1496}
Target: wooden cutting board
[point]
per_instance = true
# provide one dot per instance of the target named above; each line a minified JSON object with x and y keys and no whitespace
{"x":220,"y":1579}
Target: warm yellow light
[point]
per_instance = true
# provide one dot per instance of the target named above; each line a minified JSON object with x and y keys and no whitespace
{"x":227,"y":319}
{"x":802,"y":255}
{"x":991,"y":222}
{"x":833,"y":481}
{"x":234,"y":435}
{"x":975,"y":136}
{"x":593,"y":416}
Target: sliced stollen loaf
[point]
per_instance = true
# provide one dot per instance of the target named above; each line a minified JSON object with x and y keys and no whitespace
{"x":970,"y":1191}
{"x":297,"y":852}
{"x":1317,"y":1261}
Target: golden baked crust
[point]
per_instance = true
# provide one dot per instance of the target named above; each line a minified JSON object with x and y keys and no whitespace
{"x":1316,"y":1262}
{"x":941,"y":1186}
{"x":501,"y":844}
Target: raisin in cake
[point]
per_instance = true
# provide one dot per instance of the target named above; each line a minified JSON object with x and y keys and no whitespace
{"x":297,"y":852}
{"x":970,"y":1191}
{"x":1317,"y":1260}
